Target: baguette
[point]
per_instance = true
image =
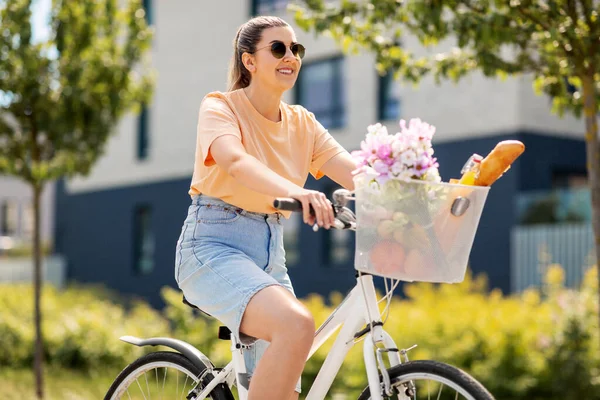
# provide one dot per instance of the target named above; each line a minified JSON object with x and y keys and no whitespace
{"x":495,"y":164}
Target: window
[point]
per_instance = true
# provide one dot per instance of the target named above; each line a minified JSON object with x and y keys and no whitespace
{"x":143,"y":240}
{"x":389,"y":98}
{"x":148,"y":8}
{"x":9,"y":218}
{"x":569,"y":179}
{"x":262,"y":7}
{"x":320,"y":89}
{"x":142,"y":134}
{"x":338,"y":250}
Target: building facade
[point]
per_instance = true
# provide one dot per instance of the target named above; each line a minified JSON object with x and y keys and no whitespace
{"x":16,"y":216}
{"x":119,"y":225}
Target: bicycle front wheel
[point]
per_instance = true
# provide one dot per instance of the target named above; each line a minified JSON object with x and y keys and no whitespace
{"x":425,"y":379}
{"x":161,"y":375}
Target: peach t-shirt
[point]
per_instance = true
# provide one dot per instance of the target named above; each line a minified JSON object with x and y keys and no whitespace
{"x":292,"y":148}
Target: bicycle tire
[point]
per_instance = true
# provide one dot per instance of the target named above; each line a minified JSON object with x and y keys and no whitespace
{"x":220,"y":392}
{"x":399,"y":373}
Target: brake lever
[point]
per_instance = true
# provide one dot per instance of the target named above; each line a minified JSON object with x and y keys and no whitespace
{"x":344,"y":219}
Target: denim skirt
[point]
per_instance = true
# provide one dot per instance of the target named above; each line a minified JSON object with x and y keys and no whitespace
{"x":224,"y":256}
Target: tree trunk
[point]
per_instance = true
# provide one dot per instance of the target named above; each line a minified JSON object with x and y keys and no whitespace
{"x":37,"y":260}
{"x":593,"y":158}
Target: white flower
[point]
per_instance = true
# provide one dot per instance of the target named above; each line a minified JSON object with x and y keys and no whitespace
{"x":397,"y":167}
{"x":406,"y":175}
{"x":370,"y":173}
{"x":408,"y":157}
{"x":377,"y":129}
{"x":398,"y":146}
{"x":433,"y":175}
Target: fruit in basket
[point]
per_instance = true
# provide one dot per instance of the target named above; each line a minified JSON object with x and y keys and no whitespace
{"x":385,"y":229}
{"x":411,"y":237}
{"x":387,"y":257}
{"x":419,"y":267}
{"x":399,"y":218}
{"x":372,"y":215}
{"x":399,"y":236}
{"x":447,"y":228}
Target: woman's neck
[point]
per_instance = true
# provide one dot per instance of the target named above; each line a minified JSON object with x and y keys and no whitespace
{"x":265,"y":101}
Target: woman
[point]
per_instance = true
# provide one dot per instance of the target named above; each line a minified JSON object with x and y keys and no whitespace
{"x":251,"y":148}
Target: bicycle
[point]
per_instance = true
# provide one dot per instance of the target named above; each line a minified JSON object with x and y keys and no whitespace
{"x":360,"y":320}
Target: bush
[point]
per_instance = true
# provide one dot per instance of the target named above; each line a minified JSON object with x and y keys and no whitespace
{"x":539,"y":344}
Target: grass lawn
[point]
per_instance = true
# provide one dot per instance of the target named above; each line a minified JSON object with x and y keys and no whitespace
{"x":59,"y":384}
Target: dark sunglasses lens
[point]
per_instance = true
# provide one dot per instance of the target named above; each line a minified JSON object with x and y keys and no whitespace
{"x":278,"y":49}
{"x":298,"y":50}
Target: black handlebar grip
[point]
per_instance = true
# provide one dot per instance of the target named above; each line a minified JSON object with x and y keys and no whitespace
{"x":288,"y":204}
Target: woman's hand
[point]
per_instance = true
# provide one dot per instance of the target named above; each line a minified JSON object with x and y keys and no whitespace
{"x":320,"y":203}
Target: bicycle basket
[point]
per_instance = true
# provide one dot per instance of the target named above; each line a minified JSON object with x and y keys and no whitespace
{"x":416,"y":230}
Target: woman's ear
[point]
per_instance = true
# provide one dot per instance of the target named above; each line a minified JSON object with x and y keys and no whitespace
{"x":248,"y":61}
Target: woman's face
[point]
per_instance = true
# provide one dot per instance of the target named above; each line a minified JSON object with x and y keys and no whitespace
{"x":277,"y":73}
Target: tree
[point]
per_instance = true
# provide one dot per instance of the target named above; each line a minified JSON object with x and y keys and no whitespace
{"x":557,"y":41}
{"x":61,"y":98}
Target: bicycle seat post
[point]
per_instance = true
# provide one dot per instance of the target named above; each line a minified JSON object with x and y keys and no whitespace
{"x":239,"y":365}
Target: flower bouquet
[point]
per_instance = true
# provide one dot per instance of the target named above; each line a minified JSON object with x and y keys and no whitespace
{"x":405,"y":228}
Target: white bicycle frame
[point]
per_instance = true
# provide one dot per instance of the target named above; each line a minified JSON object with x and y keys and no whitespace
{"x":359,"y":308}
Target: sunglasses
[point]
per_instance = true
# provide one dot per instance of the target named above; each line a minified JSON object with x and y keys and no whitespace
{"x":278,"y":49}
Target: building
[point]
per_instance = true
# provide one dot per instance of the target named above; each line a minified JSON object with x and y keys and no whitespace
{"x":120,"y":225}
{"x":16,"y":215}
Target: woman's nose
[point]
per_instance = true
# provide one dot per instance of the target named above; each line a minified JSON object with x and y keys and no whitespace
{"x":289,"y":54}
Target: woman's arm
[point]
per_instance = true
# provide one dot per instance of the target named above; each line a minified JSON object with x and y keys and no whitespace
{"x":230,"y":155}
{"x":339,"y":168}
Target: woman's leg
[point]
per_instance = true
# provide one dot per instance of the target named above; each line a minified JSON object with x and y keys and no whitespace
{"x":275,"y":315}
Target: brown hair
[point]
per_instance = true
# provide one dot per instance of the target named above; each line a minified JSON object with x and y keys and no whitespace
{"x":246,"y":39}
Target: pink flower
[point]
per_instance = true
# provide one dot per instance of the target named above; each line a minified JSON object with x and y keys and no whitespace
{"x":384,"y":151}
{"x":381,"y":167}
{"x":405,"y":155}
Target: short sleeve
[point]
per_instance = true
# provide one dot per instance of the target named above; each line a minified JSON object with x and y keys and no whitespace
{"x":325,"y":147}
{"x":215,"y":119}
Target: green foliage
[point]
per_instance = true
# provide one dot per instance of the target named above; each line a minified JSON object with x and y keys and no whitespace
{"x":61,"y":98}
{"x":540,"y":344}
{"x":558,"y":41}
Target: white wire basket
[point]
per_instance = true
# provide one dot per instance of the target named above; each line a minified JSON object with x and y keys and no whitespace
{"x":416,"y":230}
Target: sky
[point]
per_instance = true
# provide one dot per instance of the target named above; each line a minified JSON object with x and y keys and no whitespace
{"x":40,"y":10}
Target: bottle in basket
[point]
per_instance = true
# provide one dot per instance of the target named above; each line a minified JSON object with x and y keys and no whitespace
{"x":471,"y":169}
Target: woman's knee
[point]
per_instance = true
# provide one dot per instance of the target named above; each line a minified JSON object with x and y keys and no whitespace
{"x":274,"y":313}
{"x":298,"y":325}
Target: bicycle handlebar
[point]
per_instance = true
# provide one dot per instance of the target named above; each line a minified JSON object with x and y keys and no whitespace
{"x":289,"y":204}
{"x":344,"y":217}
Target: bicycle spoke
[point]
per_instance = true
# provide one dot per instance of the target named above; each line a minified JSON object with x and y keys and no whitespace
{"x":147,"y":386}
{"x":156,"y":373}
{"x":456,"y":397}
{"x":428,"y":392}
{"x":440,"y":392}
{"x":141,"y":390}
{"x":184,"y":385}
{"x":164,"y":380}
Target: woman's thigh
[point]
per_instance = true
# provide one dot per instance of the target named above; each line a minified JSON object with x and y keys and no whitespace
{"x":274,"y":309}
